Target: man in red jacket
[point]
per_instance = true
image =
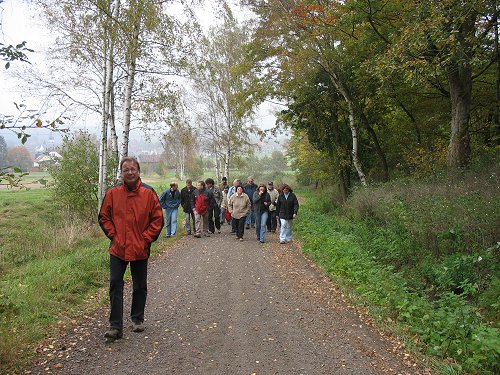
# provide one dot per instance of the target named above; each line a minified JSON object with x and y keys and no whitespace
{"x":132,"y":218}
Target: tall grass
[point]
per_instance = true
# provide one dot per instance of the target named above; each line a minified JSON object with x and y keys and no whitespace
{"x":50,"y":263}
{"x":420,"y":253}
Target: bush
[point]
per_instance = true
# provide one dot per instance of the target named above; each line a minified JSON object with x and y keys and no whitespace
{"x":419,"y":255}
{"x":76,"y":177}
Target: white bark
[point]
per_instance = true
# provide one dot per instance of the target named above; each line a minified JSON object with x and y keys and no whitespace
{"x":131,"y":61}
{"x":217,"y":167}
{"x":354,"y":135}
{"x":352,"y":124}
{"x":101,"y":188}
{"x":113,"y":142}
{"x":182,"y":163}
{"x":127,"y":107}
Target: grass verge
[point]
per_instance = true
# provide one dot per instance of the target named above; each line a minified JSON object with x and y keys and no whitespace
{"x":51,"y":263}
{"x":381,"y":265}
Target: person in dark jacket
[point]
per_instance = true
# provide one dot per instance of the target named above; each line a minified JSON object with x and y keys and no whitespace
{"x":214,"y":210}
{"x":132,"y":218}
{"x":287,"y":208}
{"x":261,"y":203}
{"x":170,"y":201}
{"x":187,"y":205}
{"x":271,"y":219}
{"x":202,"y":200}
{"x":250,"y":189}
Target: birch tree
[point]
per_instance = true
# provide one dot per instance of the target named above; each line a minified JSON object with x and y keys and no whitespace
{"x":225,"y":116}
{"x":179,"y":148}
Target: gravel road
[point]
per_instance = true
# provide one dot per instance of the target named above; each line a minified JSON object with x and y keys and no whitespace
{"x":220,"y":306}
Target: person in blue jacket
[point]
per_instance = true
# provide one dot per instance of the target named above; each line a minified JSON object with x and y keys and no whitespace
{"x":170,"y":201}
{"x":250,"y":188}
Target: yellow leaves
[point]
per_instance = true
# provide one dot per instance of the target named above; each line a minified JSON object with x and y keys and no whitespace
{"x":39,"y":123}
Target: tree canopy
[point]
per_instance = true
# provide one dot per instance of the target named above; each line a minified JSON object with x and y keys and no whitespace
{"x":384,"y":87}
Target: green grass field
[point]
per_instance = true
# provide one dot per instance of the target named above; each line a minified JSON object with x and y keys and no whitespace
{"x":51,"y":262}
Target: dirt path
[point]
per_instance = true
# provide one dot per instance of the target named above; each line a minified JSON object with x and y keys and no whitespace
{"x":218,"y":306}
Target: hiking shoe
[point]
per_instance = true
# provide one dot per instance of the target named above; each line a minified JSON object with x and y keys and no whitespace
{"x":197,"y":235}
{"x":114,"y":334}
{"x":138,"y":327}
{"x":282,"y":242}
{"x":188,"y":232}
{"x":241,"y":239}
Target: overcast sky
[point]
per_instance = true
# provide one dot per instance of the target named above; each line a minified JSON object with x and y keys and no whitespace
{"x":20,"y":22}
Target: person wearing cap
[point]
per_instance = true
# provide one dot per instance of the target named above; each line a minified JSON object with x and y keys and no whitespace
{"x":223,"y":184}
{"x":272,"y":221}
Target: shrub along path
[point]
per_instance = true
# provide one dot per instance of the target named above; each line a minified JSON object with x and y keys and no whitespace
{"x":220,"y":306}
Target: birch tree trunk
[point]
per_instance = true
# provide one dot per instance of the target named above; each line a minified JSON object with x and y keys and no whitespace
{"x":112,"y":128}
{"x":354,"y":135}
{"x":182,"y":163}
{"x":101,"y":188}
{"x":127,"y":106}
{"x":226,"y":165}
{"x":113,"y":142}
{"x":131,"y":61}
{"x":352,"y":125}
{"x":217,"y":167}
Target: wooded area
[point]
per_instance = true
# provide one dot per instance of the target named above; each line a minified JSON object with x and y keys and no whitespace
{"x":384,"y":88}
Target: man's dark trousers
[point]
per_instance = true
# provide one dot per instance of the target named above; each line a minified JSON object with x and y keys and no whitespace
{"x":139,"y":271}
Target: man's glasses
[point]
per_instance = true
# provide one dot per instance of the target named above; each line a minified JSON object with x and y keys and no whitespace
{"x":132,"y":170}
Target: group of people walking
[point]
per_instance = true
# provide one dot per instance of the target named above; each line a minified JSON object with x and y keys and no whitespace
{"x":243,"y":206}
{"x":131,"y":217}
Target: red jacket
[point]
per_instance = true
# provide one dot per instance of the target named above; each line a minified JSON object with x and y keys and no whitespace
{"x":201,"y":201}
{"x":132,"y":220}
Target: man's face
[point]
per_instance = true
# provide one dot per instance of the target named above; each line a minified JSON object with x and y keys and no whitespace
{"x":270,"y":187}
{"x":286,"y":190}
{"x":130,"y":173}
{"x":173,"y":187}
{"x":236,"y":183}
{"x":189,"y":184}
{"x":209,"y":185}
{"x":250,"y":180}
